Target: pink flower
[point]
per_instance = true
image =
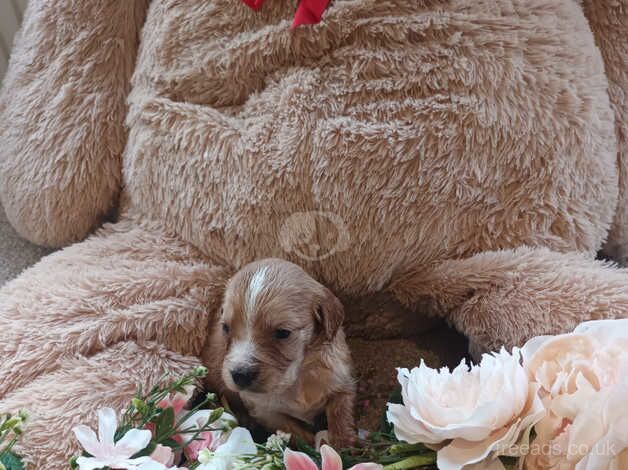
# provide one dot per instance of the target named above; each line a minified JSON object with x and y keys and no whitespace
{"x":150,"y":427}
{"x":203,"y":441}
{"x":331,"y":461}
{"x":176,"y":401}
{"x":206,"y":440}
{"x":163,"y":454}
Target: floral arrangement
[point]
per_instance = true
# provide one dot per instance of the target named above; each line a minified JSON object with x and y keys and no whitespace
{"x":158,"y":432}
{"x":10,"y":431}
{"x":559,"y":402}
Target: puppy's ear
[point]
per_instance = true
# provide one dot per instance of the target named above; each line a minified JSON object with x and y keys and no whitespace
{"x":329,"y":314}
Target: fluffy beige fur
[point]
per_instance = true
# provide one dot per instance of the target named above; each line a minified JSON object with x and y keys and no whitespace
{"x":609,"y":22}
{"x":63,"y":106}
{"x":468,"y":152}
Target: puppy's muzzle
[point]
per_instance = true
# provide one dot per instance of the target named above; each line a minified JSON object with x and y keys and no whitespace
{"x":244,"y":377}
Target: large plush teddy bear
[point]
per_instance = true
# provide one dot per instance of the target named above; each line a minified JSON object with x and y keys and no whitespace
{"x":455,"y":158}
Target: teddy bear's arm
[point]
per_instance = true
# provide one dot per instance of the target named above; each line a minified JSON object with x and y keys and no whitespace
{"x":609,"y":22}
{"x":62,"y":110}
{"x":502,"y":298}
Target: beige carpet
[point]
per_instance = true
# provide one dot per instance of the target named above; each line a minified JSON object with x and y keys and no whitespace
{"x":16,"y":254}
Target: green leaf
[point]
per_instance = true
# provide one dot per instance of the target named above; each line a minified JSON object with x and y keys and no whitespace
{"x":165,"y":423}
{"x":215,"y":415}
{"x":170,"y":443}
{"x":11,"y":461}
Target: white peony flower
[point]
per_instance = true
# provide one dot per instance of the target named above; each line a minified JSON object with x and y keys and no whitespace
{"x":595,"y":350}
{"x":239,"y":444}
{"x":474,"y":414}
{"x":584,"y":377}
{"x":104,"y":451}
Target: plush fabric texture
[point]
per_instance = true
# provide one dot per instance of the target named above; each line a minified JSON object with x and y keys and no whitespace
{"x":453,"y":159}
{"x":88,"y":324}
{"x":63,"y":105}
{"x":419,"y":126}
{"x":506,"y":297}
{"x":609,"y":22}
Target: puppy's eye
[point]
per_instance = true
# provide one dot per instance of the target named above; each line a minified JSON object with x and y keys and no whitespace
{"x":225,"y":328}
{"x":282,"y":334}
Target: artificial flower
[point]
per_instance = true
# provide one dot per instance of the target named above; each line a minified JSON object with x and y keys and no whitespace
{"x":176,"y":401}
{"x":584,"y":377}
{"x":207,"y":439}
{"x":239,"y":445}
{"x":104,"y":451}
{"x":155,"y":465}
{"x":320,"y":438}
{"x":330,"y":461}
{"x":163,"y":455}
{"x":472,"y":414}
{"x":203,"y":441}
{"x":277,"y":441}
{"x":595,"y":350}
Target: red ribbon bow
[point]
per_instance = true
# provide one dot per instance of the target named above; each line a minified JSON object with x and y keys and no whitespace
{"x":308,"y":11}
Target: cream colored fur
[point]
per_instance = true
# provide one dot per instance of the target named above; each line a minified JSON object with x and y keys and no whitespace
{"x":469,"y":149}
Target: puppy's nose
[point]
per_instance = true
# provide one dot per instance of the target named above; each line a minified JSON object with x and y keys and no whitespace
{"x":244,"y":376}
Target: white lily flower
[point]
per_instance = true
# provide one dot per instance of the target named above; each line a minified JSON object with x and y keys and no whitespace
{"x":104,"y":451}
{"x":239,"y":444}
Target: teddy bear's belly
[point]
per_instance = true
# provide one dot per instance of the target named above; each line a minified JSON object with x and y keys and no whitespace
{"x":356,"y":202}
{"x":379,"y":153}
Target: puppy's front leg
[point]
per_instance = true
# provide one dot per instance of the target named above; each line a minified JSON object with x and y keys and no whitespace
{"x":340,"y":420}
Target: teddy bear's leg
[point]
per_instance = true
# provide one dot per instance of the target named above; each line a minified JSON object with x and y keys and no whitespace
{"x":506,"y":297}
{"x":609,"y":22}
{"x":62,"y":110}
{"x":72,"y":393}
{"x":74,"y":327}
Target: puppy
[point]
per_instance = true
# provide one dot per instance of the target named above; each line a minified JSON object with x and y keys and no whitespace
{"x":280,"y":343}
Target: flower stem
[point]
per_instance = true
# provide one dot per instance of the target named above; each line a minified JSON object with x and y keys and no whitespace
{"x":415,"y":461}
{"x":403,"y":448}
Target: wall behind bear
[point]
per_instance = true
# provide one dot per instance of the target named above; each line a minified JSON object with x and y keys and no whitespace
{"x":11,"y":12}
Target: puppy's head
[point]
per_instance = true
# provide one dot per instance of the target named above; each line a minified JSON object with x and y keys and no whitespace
{"x":273,"y":317}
